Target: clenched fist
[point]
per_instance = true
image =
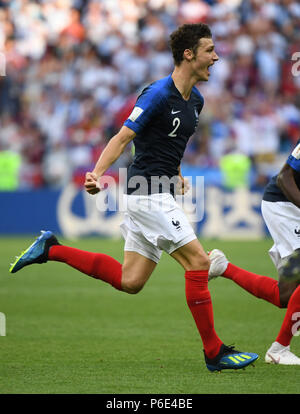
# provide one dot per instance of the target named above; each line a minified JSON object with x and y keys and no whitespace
{"x":91,"y":183}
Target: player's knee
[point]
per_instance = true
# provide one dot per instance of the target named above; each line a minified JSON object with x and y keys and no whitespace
{"x":132,"y":286}
{"x":199,"y":262}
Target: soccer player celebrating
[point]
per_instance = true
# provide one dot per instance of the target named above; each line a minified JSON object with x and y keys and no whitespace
{"x":281,"y":212}
{"x":164,"y":117}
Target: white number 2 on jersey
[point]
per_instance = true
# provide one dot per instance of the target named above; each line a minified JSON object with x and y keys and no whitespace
{"x":176,"y":123}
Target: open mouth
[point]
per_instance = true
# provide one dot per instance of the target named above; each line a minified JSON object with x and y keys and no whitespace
{"x":208,"y":68}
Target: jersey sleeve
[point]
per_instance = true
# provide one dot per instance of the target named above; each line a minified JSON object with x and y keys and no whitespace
{"x":294,"y":159}
{"x":147,"y":106}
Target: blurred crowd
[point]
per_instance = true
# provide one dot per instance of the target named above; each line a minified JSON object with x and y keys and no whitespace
{"x":74,"y":69}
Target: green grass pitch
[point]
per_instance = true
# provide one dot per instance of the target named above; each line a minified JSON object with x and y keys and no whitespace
{"x":70,"y":334}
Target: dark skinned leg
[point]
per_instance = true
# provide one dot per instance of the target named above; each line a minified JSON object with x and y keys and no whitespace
{"x":286,"y":290}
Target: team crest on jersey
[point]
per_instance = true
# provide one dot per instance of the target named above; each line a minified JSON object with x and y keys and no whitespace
{"x":296,"y":152}
{"x":135,"y":113}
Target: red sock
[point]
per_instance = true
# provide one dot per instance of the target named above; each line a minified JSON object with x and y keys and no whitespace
{"x":291,"y":319}
{"x":262,"y":287}
{"x":97,"y":265}
{"x":199,"y":301}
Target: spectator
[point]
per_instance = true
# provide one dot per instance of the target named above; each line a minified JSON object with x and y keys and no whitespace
{"x":70,"y":66}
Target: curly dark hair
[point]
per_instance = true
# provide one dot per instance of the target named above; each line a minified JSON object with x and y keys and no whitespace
{"x":187,"y":37}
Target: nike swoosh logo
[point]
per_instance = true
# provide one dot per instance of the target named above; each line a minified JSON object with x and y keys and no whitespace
{"x":198,"y":302}
{"x":276,"y":361}
{"x":174,"y":112}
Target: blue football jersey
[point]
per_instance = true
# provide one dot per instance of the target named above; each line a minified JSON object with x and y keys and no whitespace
{"x":272,"y":191}
{"x":163,"y":122}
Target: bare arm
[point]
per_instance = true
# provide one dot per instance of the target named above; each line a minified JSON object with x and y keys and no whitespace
{"x":286,"y":182}
{"x":183,"y":184}
{"x":109,"y":155}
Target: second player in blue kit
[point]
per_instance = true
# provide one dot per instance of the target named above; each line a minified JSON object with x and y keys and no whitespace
{"x":281,"y":212}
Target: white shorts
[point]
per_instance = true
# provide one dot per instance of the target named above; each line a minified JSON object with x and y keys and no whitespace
{"x":154,"y":223}
{"x":283,"y":221}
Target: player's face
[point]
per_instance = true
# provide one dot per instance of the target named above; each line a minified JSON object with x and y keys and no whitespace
{"x":204,"y":57}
